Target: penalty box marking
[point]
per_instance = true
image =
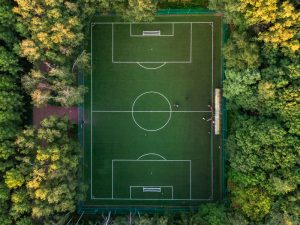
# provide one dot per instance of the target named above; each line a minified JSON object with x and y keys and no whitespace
{"x":149,"y":62}
{"x":161,"y":35}
{"x":91,"y":90}
{"x":163,"y":62}
{"x":150,"y":160}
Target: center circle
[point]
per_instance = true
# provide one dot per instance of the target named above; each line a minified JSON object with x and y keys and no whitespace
{"x":153,"y":108}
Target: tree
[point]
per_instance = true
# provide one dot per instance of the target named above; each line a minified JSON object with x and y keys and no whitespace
{"x":54,"y":29}
{"x":11,"y":104}
{"x":241,"y":53}
{"x":57,"y":86}
{"x":50,"y":158}
{"x":128,"y":10}
{"x":263,"y":161}
{"x":240,"y":89}
{"x":135,"y":10}
{"x":252,"y":201}
{"x":20,"y":203}
{"x":276,"y":22}
{"x":4,"y":197}
{"x":7,"y":24}
{"x":8,"y":62}
{"x":211,"y":213}
{"x":82,"y":63}
{"x":14,"y":178}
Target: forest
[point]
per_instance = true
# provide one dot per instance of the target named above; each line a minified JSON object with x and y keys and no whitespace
{"x":42,"y":48}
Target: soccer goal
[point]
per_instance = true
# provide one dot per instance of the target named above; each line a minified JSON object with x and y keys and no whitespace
{"x":151,"y":32}
{"x":151,"y":192}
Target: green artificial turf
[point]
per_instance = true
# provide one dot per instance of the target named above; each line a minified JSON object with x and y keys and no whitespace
{"x":146,"y":111}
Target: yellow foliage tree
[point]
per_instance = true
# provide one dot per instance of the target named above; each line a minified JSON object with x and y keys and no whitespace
{"x":54,"y":26}
{"x":283,"y":32}
{"x":279,"y":20}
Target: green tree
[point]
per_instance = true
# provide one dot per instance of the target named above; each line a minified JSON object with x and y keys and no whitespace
{"x":20,"y":203}
{"x":4,"y":197}
{"x":11,"y":104}
{"x":253,"y":202}
{"x":8,"y":62}
{"x":128,"y":10}
{"x":135,"y":10}
{"x":7,"y":24}
{"x":241,"y":53}
{"x":240,"y":89}
{"x":211,"y":213}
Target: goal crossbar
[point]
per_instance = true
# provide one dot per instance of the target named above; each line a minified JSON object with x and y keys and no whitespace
{"x":151,"y":33}
{"x":151,"y":189}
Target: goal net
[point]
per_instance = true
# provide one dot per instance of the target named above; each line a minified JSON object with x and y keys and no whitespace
{"x":151,"y":33}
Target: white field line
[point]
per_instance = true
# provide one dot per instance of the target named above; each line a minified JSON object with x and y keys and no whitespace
{"x":95,"y":23}
{"x":164,"y":62}
{"x":152,"y":62}
{"x":151,"y":68}
{"x":171,"y":187}
{"x":212,"y":113}
{"x":92,"y":111}
{"x":190,"y":179}
{"x":150,"y":199}
{"x":112,"y":179}
{"x":162,"y":35}
{"x":151,"y":160}
{"x":151,"y":153}
{"x":149,"y":111}
{"x":112,"y":43}
{"x":191,"y":42}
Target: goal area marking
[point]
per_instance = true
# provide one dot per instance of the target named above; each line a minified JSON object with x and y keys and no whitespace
{"x":156,"y":34}
{"x":153,"y":189}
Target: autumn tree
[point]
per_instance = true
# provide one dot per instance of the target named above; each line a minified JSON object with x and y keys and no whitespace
{"x":127,"y":10}
{"x":52,"y":157}
{"x":57,"y":85}
{"x":135,"y":10}
{"x":276,"y":22}
{"x":51,"y":29}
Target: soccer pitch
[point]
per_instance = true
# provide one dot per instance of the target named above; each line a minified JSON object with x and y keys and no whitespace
{"x":149,"y":130}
